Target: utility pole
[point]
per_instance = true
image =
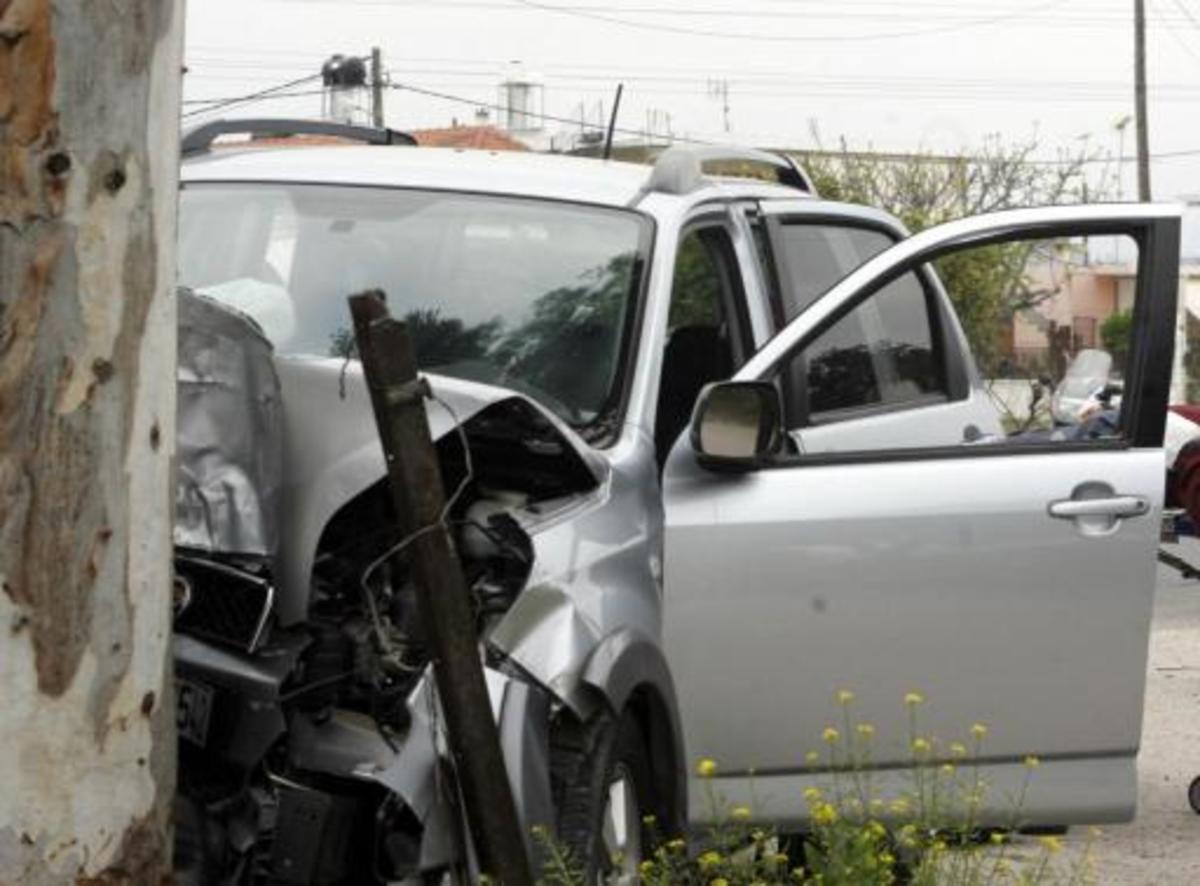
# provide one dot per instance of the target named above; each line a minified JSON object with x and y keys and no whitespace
{"x":719,"y":89}
{"x":398,"y":397}
{"x":377,"y":87}
{"x":89,"y":129}
{"x":1139,"y":94}
{"x":612,"y":121}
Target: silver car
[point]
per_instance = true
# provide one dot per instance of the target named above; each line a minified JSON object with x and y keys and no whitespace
{"x":729,"y":454}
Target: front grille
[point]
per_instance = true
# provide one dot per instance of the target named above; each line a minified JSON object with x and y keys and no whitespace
{"x":222,"y":604}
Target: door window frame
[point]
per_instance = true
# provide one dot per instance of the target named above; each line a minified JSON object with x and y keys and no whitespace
{"x":1143,"y":409}
{"x":794,"y":383}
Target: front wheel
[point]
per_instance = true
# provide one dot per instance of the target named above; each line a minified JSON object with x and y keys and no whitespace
{"x":602,"y":786}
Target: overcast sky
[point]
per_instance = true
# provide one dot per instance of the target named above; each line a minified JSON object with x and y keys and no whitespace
{"x":931,"y":74}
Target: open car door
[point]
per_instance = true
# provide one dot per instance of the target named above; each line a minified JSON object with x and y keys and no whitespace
{"x":878,"y":540}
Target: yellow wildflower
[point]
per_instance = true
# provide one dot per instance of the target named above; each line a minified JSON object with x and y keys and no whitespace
{"x":740,"y":813}
{"x":824,"y":814}
{"x":718,"y":881}
{"x":1051,"y":843}
{"x":677,"y":845}
{"x":978,"y":731}
{"x":887,"y":858}
{"x":900,"y":806}
{"x":912,"y":699}
{"x":845,"y":696}
{"x":646,"y":868}
{"x":996,"y":837}
{"x":865,"y":730}
{"x":812,"y":758}
{"x":706,"y":768}
{"x":958,"y":749}
{"x":830,"y":735}
{"x":947,"y":768}
{"x":780,"y":858}
{"x":920,"y":746}
{"x":813,"y":795}
{"x":1032,"y":762}
{"x":709,"y":859}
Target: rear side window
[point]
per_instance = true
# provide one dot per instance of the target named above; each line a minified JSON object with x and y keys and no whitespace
{"x":883,"y":352}
{"x":814,"y":257}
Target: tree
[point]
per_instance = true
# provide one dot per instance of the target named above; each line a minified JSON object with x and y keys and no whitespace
{"x":1116,"y":332}
{"x":89,"y":111}
{"x":990,"y":284}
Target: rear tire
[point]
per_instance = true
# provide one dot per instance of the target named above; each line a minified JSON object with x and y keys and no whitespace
{"x":601,"y":778}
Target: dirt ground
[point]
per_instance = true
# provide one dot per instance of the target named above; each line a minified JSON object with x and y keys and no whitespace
{"x":1163,"y":844}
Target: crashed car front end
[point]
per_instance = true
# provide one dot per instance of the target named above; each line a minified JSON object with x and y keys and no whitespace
{"x":312,"y":746}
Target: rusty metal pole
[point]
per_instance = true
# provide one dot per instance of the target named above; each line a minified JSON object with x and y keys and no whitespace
{"x":398,"y":398}
{"x":89,"y":155}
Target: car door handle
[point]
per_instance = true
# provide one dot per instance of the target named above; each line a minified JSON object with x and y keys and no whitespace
{"x":1115,"y":506}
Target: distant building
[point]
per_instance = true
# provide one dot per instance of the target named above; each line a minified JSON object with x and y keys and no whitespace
{"x":1082,"y":297}
{"x":485,"y":138}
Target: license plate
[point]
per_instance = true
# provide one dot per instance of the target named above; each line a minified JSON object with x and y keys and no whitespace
{"x":193,"y":707}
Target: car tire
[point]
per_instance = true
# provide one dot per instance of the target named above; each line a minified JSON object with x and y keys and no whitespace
{"x":601,"y":778}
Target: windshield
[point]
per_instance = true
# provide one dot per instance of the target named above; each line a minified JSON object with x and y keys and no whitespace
{"x":529,"y":294}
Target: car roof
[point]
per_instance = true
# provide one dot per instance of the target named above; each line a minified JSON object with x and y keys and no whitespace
{"x":549,"y":176}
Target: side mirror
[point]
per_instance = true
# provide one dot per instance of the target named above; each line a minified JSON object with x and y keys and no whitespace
{"x":737,"y":425}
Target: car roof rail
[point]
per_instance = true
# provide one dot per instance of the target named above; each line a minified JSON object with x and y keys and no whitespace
{"x":199,"y":139}
{"x":679,"y":169}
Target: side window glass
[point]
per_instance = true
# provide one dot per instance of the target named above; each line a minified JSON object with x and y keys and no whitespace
{"x":1047,"y":330}
{"x":840,"y":368}
{"x":817,"y":256}
{"x":700,"y":333}
{"x":884,"y":352}
{"x":696,"y":287}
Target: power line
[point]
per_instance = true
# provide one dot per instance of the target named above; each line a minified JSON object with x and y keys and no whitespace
{"x":235,"y":99}
{"x":782,"y":38}
{"x":253,"y":96}
{"x":873,"y":10}
{"x":645,"y":134}
{"x":1178,"y":39}
{"x":1187,"y":13}
{"x":508,"y":109}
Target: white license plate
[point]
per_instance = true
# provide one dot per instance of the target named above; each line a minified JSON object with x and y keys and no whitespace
{"x":193,"y":707}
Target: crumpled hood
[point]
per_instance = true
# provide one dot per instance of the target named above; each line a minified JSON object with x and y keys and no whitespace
{"x":271,"y":447}
{"x":332,"y":453}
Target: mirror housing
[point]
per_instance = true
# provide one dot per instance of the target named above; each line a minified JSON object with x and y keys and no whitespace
{"x":737,"y":425}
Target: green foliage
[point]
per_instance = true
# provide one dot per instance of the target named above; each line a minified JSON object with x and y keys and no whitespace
{"x":1116,"y":333}
{"x":989,"y":284}
{"x":695,"y":293}
{"x":927,"y":835}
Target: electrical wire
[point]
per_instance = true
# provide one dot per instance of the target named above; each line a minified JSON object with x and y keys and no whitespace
{"x":237,"y":98}
{"x":441,"y":523}
{"x":646,"y":134}
{"x":254,"y":96}
{"x":786,"y":38}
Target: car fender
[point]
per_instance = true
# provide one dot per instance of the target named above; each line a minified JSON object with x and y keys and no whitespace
{"x":630,"y":671}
